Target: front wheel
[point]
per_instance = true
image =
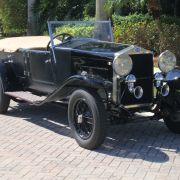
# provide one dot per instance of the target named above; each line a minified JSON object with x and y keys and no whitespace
{"x":172,"y":120}
{"x":87,"y":118}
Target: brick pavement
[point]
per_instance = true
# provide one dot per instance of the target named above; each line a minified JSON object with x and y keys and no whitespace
{"x":36,"y":143}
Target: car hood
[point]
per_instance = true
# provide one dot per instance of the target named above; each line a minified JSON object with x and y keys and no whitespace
{"x":101,"y":48}
{"x":92,"y":45}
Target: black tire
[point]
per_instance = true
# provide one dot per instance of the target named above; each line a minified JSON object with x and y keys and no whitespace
{"x":172,"y":121}
{"x":88,"y":135}
{"x":171,"y":124}
{"x":4,"y":99}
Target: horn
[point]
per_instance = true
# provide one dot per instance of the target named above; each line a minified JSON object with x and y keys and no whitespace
{"x":138,"y":92}
{"x":165,"y":90}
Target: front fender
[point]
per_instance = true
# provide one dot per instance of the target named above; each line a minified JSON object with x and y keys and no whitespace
{"x":76,"y":82}
{"x":173,"y":78}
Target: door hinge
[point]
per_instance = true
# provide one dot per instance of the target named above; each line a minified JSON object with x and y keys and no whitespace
{"x":26,"y":73}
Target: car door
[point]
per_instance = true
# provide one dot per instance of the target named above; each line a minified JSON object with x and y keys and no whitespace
{"x":40,"y":70}
{"x":63,"y":67}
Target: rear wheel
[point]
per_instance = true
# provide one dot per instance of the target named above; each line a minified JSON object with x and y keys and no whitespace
{"x":4,"y":99}
{"x":87,"y":118}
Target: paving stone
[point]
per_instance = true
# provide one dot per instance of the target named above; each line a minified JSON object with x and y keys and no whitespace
{"x":36,"y":143}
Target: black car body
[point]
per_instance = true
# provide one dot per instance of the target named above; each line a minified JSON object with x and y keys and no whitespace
{"x":82,"y":72}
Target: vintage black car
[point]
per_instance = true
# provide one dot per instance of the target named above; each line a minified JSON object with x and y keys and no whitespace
{"x":101,"y":81}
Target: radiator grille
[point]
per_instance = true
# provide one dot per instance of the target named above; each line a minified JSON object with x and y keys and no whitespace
{"x":143,"y":70}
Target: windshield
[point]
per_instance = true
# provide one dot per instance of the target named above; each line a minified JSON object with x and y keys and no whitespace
{"x":99,"y":30}
{"x":93,"y":45}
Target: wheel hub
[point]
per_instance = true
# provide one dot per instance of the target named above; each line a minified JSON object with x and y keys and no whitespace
{"x":83,"y":119}
{"x":80,"y":119}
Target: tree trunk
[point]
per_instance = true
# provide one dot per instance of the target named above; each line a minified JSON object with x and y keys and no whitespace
{"x":154,"y":7}
{"x":177,"y":8}
{"x":32,"y":20}
{"x":100,"y":12}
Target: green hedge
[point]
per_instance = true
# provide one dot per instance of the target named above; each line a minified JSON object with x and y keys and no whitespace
{"x":76,"y":31}
{"x":143,"y":31}
{"x":135,"y":18}
{"x":13,"y":16}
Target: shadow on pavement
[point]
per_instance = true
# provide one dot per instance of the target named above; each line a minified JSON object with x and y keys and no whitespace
{"x":144,"y":141}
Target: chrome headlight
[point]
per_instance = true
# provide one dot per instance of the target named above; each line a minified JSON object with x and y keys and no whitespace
{"x":122,"y":65}
{"x":167,"y":61}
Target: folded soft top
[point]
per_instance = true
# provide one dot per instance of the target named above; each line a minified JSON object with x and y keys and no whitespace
{"x":25,"y":42}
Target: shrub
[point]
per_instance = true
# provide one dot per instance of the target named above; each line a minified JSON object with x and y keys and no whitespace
{"x":76,"y":31}
{"x":134,"y":18}
{"x":13,"y":16}
{"x":170,"y":20}
{"x":59,"y":10}
{"x":143,"y":31}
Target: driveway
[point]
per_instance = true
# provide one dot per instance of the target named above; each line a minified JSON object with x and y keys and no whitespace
{"x":36,"y":143}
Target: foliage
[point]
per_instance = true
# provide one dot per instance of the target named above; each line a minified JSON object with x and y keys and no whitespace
{"x":125,"y":7}
{"x":13,"y":16}
{"x":155,"y":7}
{"x":59,"y":10}
{"x":89,"y":9}
{"x":76,"y":31}
{"x":170,"y":8}
{"x":144,"y":32}
{"x":170,"y":20}
{"x":118,"y":20}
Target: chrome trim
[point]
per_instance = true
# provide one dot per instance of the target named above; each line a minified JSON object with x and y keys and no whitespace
{"x":138,"y":92}
{"x":165,"y":90}
{"x":130,"y":80}
{"x":116,"y":90}
{"x":173,"y":75}
{"x":138,"y":105}
{"x":119,"y":56}
{"x":164,"y":54}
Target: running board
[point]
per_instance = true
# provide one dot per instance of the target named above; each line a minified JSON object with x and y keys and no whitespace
{"x":26,"y":96}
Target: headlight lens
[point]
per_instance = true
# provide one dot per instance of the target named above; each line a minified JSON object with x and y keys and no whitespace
{"x":123,"y":65}
{"x":167,"y":61}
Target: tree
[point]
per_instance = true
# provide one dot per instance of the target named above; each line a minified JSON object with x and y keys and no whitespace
{"x":47,"y":10}
{"x":177,"y":8}
{"x":32,"y":20}
{"x":154,"y":7}
{"x":13,"y":16}
{"x":100,"y":11}
{"x":125,"y":7}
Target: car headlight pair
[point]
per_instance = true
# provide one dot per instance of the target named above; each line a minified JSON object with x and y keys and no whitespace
{"x":167,"y":61}
{"x":122,"y":65}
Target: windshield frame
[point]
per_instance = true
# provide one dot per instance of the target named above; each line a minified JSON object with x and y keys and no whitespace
{"x":51,"y":24}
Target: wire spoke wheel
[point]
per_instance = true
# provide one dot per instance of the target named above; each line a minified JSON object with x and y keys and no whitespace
{"x":83,"y":119}
{"x":87,"y":118}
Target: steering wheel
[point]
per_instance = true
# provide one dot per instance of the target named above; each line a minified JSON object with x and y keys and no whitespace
{"x":63,"y":37}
